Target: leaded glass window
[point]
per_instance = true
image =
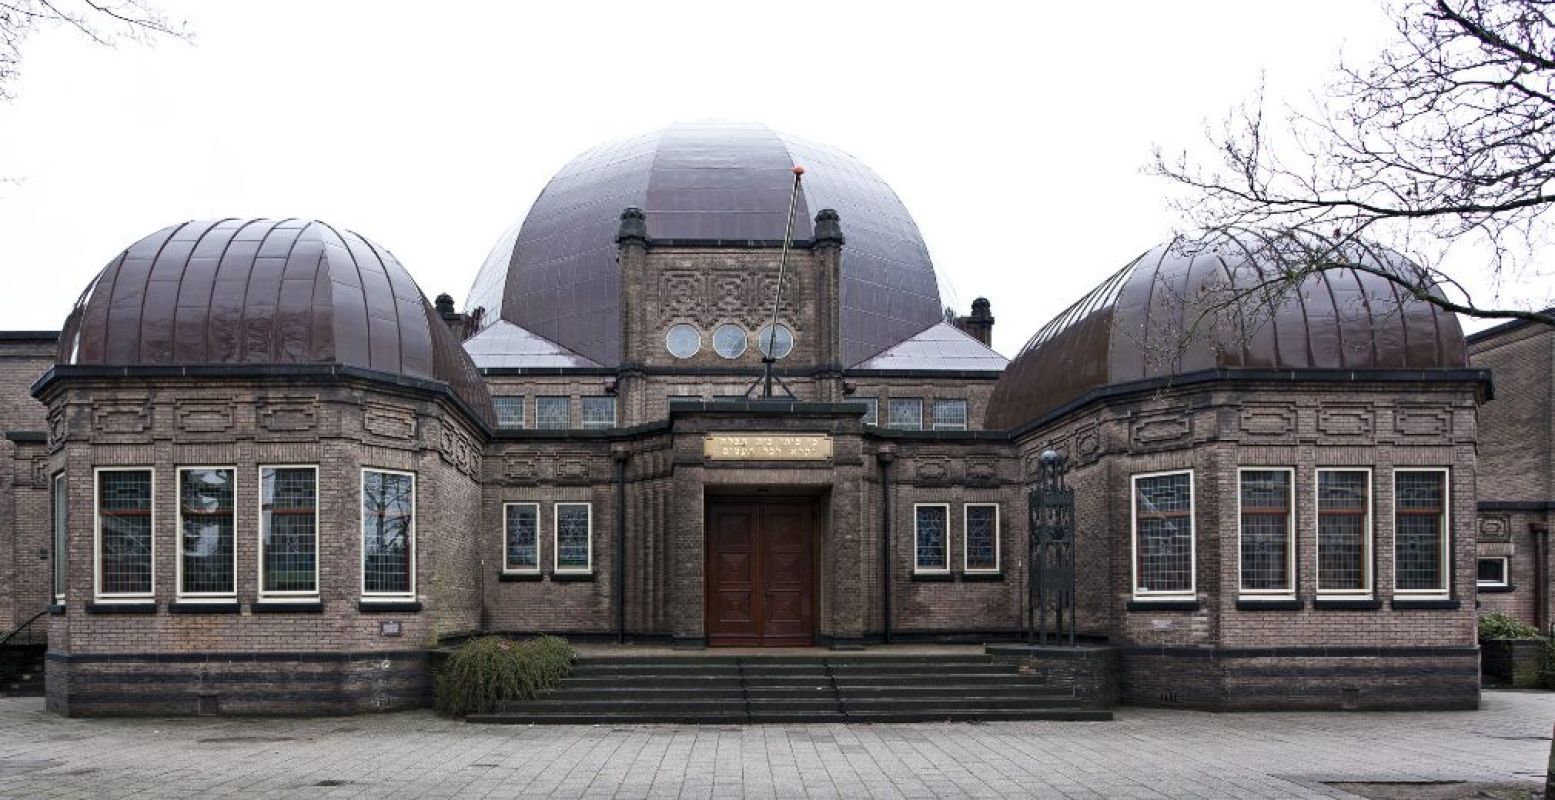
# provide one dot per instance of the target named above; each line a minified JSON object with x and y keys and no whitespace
{"x":1163,"y":534}
{"x":906,"y":413}
{"x":510,"y":411}
{"x":1420,"y":531}
{"x":288,"y":531}
{"x":871,"y":409}
{"x":599,"y":412}
{"x":931,"y":524}
{"x":206,"y":521}
{"x":388,"y":533}
{"x":60,"y":509}
{"x":553,"y":412}
{"x":124,"y":533}
{"x":950,"y":415}
{"x":1343,"y":531}
{"x":1266,"y":531}
{"x":981,"y":547}
{"x":574,"y":537}
{"x":522,"y":538}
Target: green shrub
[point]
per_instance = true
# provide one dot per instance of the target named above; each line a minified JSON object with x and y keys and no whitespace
{"x":1499,"y":625}
{"x":484,"y":673}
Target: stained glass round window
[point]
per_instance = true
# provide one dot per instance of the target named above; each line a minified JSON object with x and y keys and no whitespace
{"x":729,"y":340}
{"x":683,"y":340}
{"x":782,"y":344}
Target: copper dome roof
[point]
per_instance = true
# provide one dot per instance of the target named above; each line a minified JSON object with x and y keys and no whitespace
{"x":265,"y":292}
{"x":556,"y":273}
{"x":1168,"y":313}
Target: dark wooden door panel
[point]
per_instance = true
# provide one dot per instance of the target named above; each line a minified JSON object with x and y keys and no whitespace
{"x":760,"y":573}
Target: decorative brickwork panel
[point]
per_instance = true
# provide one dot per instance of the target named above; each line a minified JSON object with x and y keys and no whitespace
{"x":122,"y":419}
{"x":1162,"y":429}
{"x":58,"y":427}
{"x":460,"y":450}
{"x":1268,"y":421}
{"x":389,"y":422}
{"x":287,"y":418}
{"x":521,"y":469}
{"x":203,"y":420}
{"x":1340,"y":420}
{"x":1422,"y":420}
{"x":1494,"y":529}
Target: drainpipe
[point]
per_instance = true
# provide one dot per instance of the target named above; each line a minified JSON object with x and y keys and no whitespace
{"x":619,"y":453}
{"x":886,"y":455}
{"x":1541,"y":590}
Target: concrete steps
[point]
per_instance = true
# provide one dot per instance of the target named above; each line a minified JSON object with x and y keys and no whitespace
{"x":714,"y":689}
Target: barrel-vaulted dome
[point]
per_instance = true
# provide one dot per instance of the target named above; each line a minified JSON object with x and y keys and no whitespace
{"x":556,"y":273}
{"x":265,"y":292}
{"x":1194,"y":305}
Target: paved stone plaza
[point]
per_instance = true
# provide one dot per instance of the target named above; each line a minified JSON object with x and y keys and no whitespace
{"x":1144,"y":753}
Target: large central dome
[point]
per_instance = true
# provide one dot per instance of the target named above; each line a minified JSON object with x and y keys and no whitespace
{"x":556,"y":272}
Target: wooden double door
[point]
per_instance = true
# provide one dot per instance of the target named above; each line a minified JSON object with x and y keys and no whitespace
{"x":761,"y":572}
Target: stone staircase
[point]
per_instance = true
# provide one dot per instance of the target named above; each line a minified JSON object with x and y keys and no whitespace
{"x":21,"y":670}
{"x":826,"y":687}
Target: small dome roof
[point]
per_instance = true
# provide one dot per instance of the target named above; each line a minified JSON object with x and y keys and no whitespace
{"x":556,"y":274}
{"x":1170,"y":312}
{"x":265,"y":292}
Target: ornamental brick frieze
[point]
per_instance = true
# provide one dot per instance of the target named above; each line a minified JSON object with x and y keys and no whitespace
{"x":58,"y":427}
{"x":122,"y":419}
{"x":203,"y":420}
{"x":1422,"y":420}
{"x":391,"y":422}
{"x":1494,"y":529}
{"x":459,"y":450}
{"x":1167,"y":428}
{"x":287,"y":418}
{"x":710,"y":296}
{"x":521,"y":470}
{"x":560,"y":468}
{"x":1265,"y":421}
{"x":1345,"y":420}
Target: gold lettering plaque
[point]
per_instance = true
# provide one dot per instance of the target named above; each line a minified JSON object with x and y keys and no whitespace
{"x":767,"y":447}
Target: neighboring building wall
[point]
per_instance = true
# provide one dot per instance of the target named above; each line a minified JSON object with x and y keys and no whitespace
{"x":25,"y":541}
{"x":323,"y":656}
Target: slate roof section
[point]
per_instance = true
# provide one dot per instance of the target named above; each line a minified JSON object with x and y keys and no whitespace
{"x":252,"y":292}
{"x":503,"y":345}
{"x":942,"y":347}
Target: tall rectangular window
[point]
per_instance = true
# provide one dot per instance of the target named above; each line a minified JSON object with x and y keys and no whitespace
{"x":906,"y":413}
{"x":1163,"y":535}
{"x":1344,"y":531}
{"x":288,"y":531}
{"x":980,"y":537}
{"x":871,"y":409}
{"x":1265,"y":498}
{"x":510,"y":411}
{"x":950,"y":415}
{"x":553,"y":412}
{"x":388,"y":534}
{"x":521,"y":538}
{"x":207,"y":550}
{"x":931,"y":537}
{"x":60,"y":504}
{"x":124,"y":543}
{"x":1420,"y":528}
{"x":599,"y":412}
{"x":574,"y":537}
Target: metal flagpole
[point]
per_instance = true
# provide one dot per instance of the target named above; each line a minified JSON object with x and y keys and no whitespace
{"x":788,"y":239}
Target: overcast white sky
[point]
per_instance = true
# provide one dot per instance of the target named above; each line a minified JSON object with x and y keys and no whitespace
{"x":1014,"y":133}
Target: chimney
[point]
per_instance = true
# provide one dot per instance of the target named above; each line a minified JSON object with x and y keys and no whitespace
{"x":980,"y":323}
{"x":462,"y":325}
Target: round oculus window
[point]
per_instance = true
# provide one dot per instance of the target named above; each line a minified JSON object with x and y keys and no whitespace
{"x":683,"y":340}
{"x":729,"y":340}
{"x":782,"y":344}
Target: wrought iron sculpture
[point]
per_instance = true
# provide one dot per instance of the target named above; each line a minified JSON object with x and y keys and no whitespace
{"x":1050,"y":504}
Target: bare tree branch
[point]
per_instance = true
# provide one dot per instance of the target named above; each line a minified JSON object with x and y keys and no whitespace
{"x":105,"y":22}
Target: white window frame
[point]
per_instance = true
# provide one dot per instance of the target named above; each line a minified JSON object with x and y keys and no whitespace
{"x":97,"y":538}
{"x":1444,"y":531}
{"x":508,"y":569}
{"x":556,"y":528}
{"x":1290,"y":538}
{"x":178,"y":539}
{"x":966,"y":417}
{"x":1191,"y":592}
{"x":998,"y":539}
{"x":1506,"y":573}
{"x":59,"y":517}
{"x":259,"y":531}
{"x":361,"y":538}
{"x":1368,"y":538}
{"x":918,"y":569}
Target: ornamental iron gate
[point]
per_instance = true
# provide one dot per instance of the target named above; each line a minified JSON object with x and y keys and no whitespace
{"x":1050,"y":505}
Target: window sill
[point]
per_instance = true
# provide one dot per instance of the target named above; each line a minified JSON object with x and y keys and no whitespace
{"x":1500,"y":589}
{"x":1163,"y":605}
{"x":388,"y":606}
{"x":1268,"y":604}
{"x":1347,"y":603}
{"x":287,"y":607}
{"x":511,"y":577}
{"x":931,"y":577}
{"x":579,"y":577}
{"x":982,"y":577}
{"x":137,"y":607}
{"x":203,"y":607}
{"x":1438,"y":603}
